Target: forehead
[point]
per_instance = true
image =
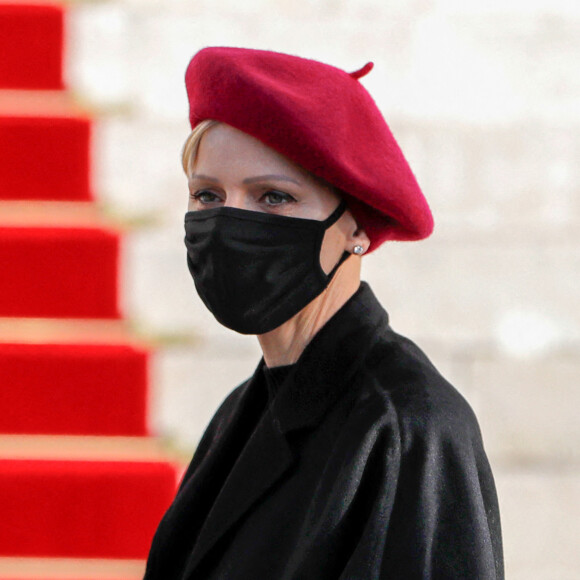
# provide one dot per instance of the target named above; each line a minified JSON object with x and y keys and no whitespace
{"x":224,"y":148}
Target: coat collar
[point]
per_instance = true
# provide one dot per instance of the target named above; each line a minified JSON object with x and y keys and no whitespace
{"x":321,"y":375}
{"x":328,"y":363}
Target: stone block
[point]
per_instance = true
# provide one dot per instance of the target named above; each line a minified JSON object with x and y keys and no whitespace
{"x":160,"y":81}
{"x":514,"y":182}
{"x":540,"y":512}
{"x":528,"y":409}
{"x":475,"y":292}
{"x":138,"y":171}
{"x":190,"y":382}
{"x":101,"y":53}
{"x":494,"y":67}
{"x":519,"y":8}
{"x":532,"y":50}
{"x":158,"y":292}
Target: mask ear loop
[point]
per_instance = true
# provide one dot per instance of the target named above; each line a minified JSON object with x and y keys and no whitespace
{"x":335,"y":215}
{"x":328,"y":222}
{"x":343,"y":258}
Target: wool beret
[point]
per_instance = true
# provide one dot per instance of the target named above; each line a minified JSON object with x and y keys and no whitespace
{"x":321,"y":118}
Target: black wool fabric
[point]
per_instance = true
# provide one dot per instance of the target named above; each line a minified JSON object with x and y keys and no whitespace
{"x":275,"y":377}
{"x":365,"y":464}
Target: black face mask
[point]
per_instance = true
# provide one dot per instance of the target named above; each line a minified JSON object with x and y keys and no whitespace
{"x":254,"y":271}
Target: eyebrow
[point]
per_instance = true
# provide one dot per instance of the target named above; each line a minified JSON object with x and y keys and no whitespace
{"x":202,"y":177}
{"x":270,"y":177}
{"x":248,"y":180}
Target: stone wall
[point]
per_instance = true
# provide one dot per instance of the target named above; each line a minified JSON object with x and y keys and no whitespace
{"x":484,"y":98}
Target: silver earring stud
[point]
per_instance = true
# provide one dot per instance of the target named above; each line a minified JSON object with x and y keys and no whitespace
{"x":358,"y":250}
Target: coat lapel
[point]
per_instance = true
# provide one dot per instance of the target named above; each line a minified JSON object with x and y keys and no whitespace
{"x":328,"y":363}
{"x":321,"y":375}
{"x":263,"y":461}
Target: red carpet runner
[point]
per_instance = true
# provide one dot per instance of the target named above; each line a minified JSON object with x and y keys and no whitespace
{"x":31,"y":39}
{"x":44,"y":158}
{"x":92,"y":509}
{"x":58,"y":272}
{"x":94,"y":389}
{"x":82,"y":486}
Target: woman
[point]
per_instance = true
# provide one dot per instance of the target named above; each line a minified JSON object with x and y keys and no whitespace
{"x":346,"y":455}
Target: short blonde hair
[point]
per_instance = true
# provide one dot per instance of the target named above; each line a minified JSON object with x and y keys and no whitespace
{"x":191,"y":145}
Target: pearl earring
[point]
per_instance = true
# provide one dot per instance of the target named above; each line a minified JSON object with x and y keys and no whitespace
{"x":358,"y":250}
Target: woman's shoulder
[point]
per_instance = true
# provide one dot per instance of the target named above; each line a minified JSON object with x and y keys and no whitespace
{"x":230,"y":404}
{"x":399,"y":380}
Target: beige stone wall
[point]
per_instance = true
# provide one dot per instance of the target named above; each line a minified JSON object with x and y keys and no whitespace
{"x":484,"y":98}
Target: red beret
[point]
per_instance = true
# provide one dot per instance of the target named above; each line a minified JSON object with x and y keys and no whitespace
{"x":321,"y":118}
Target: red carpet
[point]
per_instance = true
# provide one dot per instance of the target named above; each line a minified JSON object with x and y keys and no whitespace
{"x":44,"y":158}
{"x":58,"y":272}
{"x":105,"y":509}
{"x":94,"y":389}
{"x":31,"y":45}
{"x":91,"y":509}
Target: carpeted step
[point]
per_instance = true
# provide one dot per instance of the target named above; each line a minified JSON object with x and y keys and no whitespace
{"x":44,"y":157}
{"x":53,"y":213}
{"x":24,"y":103}
{"x":79,"y":389}
{"x":59,"y":272}
{"x":31,"y":45}
{"x":68,"y":330}
{"x":70,"y":569}
{"x":86,"y":448}
{"x":82,"y":509}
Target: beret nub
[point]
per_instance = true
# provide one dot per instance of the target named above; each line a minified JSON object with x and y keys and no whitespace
{"x":365,"y":70}
{"x":323,"y":119}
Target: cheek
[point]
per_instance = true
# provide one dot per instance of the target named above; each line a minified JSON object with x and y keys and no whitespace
{"x":333,"y":245}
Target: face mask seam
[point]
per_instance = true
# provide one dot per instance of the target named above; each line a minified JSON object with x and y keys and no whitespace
{"x":305,"y":222}
{"x":263,"y":217}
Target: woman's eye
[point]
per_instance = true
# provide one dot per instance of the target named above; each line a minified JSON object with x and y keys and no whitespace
{"x":205,"y":196}
{"x":277,"y":198}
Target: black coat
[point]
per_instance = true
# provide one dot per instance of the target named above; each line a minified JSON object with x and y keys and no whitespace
{"x":366,"y":465}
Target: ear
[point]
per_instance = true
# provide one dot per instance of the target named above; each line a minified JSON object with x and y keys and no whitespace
{"x":356,"y":237}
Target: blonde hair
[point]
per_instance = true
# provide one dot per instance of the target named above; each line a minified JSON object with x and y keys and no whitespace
{"x":191,"y":145}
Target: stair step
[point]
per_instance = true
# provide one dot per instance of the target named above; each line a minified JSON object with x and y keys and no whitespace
{"x":82,"y":509}
{"x":78,"y":389}
{"x":59,"y":272}
{"x":44,"y":158}
{"x":82,"y":448}
{"x":31,"y":45}
{"x":48,"y":103}
{"x":67,"y":331}
{"x":52,"y":213}
{"x":70,"y":569}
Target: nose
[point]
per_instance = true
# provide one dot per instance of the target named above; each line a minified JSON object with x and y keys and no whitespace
{"x":237,"y":199}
